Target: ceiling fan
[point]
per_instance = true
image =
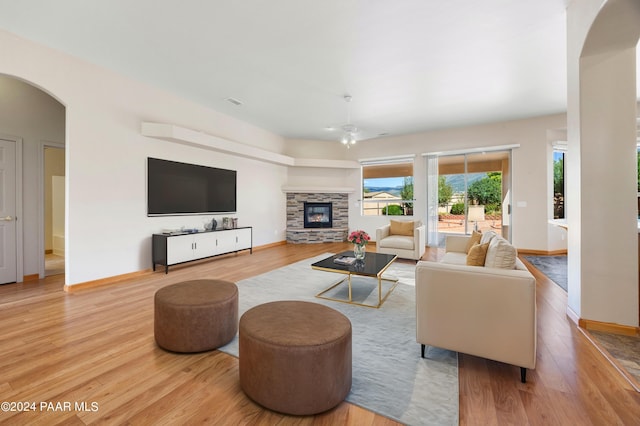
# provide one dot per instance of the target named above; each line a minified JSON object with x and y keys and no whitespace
{"x":349,"y":131}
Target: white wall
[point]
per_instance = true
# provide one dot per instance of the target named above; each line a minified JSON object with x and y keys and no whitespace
{"x":602,"y":126}
{"x":108,"y":232}
{"x":305,"y":148}
{"x":530,"y":171}
{"x":57,"y":214}
{"x":318,"y":176}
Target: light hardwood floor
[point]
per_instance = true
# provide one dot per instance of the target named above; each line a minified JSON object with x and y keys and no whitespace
{"x":96,"y":346}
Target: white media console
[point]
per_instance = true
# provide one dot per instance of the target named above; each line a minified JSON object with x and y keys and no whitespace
{"x":171,"y":249}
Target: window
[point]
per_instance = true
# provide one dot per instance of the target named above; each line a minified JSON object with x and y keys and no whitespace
{"x":558,"y":183}
{"x":472,"y":194}
{"x":638,"y":160}
{"x":387,"y":187}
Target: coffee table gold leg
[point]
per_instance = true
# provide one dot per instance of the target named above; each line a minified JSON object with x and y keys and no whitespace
{"x":381,"y":299}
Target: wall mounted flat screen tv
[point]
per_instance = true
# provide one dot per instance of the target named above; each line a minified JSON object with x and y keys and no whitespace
{"x":180,"y":189}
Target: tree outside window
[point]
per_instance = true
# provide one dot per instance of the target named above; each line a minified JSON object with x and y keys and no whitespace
{"x":487,"y":192}
{"x":558,"y":184}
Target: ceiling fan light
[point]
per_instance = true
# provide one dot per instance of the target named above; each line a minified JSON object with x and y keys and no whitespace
{"x":349,"y":130}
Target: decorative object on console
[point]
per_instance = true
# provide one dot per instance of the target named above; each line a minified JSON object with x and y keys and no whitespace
{"x":359,"y":238}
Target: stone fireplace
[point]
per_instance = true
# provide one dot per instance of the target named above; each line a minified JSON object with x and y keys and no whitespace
{"x":317,"y":217}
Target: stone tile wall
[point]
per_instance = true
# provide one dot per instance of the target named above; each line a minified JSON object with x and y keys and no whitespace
{"x":297,"y":233}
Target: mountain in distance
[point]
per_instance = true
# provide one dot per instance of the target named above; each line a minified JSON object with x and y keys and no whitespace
{"x":395,"y":190}
{"x":457,"y":181}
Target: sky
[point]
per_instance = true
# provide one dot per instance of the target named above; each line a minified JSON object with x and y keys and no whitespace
{"x":384,"y":182}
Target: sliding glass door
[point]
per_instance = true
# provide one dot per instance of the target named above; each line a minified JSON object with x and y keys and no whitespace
{"x":473,"y":192}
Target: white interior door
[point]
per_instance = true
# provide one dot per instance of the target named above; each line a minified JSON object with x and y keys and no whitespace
{"x":8,"y":272}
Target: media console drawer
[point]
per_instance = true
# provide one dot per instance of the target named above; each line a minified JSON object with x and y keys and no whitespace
{"x":170,"y":250}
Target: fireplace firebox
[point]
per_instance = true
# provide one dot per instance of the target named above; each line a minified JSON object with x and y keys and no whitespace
{"x":318,"y":215}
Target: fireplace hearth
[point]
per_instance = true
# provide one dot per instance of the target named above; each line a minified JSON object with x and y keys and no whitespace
{"x":318,"y":215}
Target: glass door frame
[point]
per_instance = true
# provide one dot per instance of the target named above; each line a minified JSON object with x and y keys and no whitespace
{"x":433,"y":161}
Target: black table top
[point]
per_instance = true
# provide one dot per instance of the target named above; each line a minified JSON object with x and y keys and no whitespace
{"x":372,"y":264}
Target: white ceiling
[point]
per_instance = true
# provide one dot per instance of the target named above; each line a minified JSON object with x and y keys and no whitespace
{"x":410,"y":65}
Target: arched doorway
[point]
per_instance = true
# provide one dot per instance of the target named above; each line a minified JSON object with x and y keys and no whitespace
{"x":37,"y":119}
{"x":601,"y":168}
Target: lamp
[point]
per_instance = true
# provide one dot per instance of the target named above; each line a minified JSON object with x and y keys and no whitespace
{"x":475,"y":214}
{"x":349,"y":130}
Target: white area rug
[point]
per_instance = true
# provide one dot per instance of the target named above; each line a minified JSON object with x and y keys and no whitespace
{"x":389,"y":376}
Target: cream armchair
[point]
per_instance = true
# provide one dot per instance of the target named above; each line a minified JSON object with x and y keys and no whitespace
{"x":483,"y":311}
{"x":406,"y":239}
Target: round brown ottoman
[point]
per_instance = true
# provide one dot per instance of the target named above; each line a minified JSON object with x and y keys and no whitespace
{"x":295,"y":357}
{"x":196,"y":316}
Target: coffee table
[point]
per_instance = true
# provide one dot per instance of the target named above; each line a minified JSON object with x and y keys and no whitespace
{"x":373,"y":265}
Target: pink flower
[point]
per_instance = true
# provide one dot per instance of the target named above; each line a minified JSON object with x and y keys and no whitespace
{"x":359,"y":237}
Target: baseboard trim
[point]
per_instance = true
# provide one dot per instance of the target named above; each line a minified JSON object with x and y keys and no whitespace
{"x":118,"y":278}
{"x":542,"y":252}
{"x":105,"y":281}
{"x":608,"y":327}
{"x":266,"y":246}
{"x":31,"y":277}
{"x":575,"y":318}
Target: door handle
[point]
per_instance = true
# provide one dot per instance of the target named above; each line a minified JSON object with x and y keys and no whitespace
{"x":7,"y":218}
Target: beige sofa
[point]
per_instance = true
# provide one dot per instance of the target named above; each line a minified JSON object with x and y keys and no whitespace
{"x":406,"y":239}
{"x":484,"y":311}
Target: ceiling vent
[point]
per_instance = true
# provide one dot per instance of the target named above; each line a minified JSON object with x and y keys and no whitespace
{"x":234,"y":101}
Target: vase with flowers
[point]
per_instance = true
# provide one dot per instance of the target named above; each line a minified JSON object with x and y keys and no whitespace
{"x":359,"y":239}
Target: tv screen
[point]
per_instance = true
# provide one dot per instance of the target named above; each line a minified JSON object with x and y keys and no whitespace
{"x":179,"y":189}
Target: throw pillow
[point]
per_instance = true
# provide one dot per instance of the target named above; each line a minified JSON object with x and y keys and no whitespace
{"x":401,"y":227}
{"x":477,"y":254}
{"x":501,"y":254}
{"x":487,"y":237}
{"x":474,"y":239}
